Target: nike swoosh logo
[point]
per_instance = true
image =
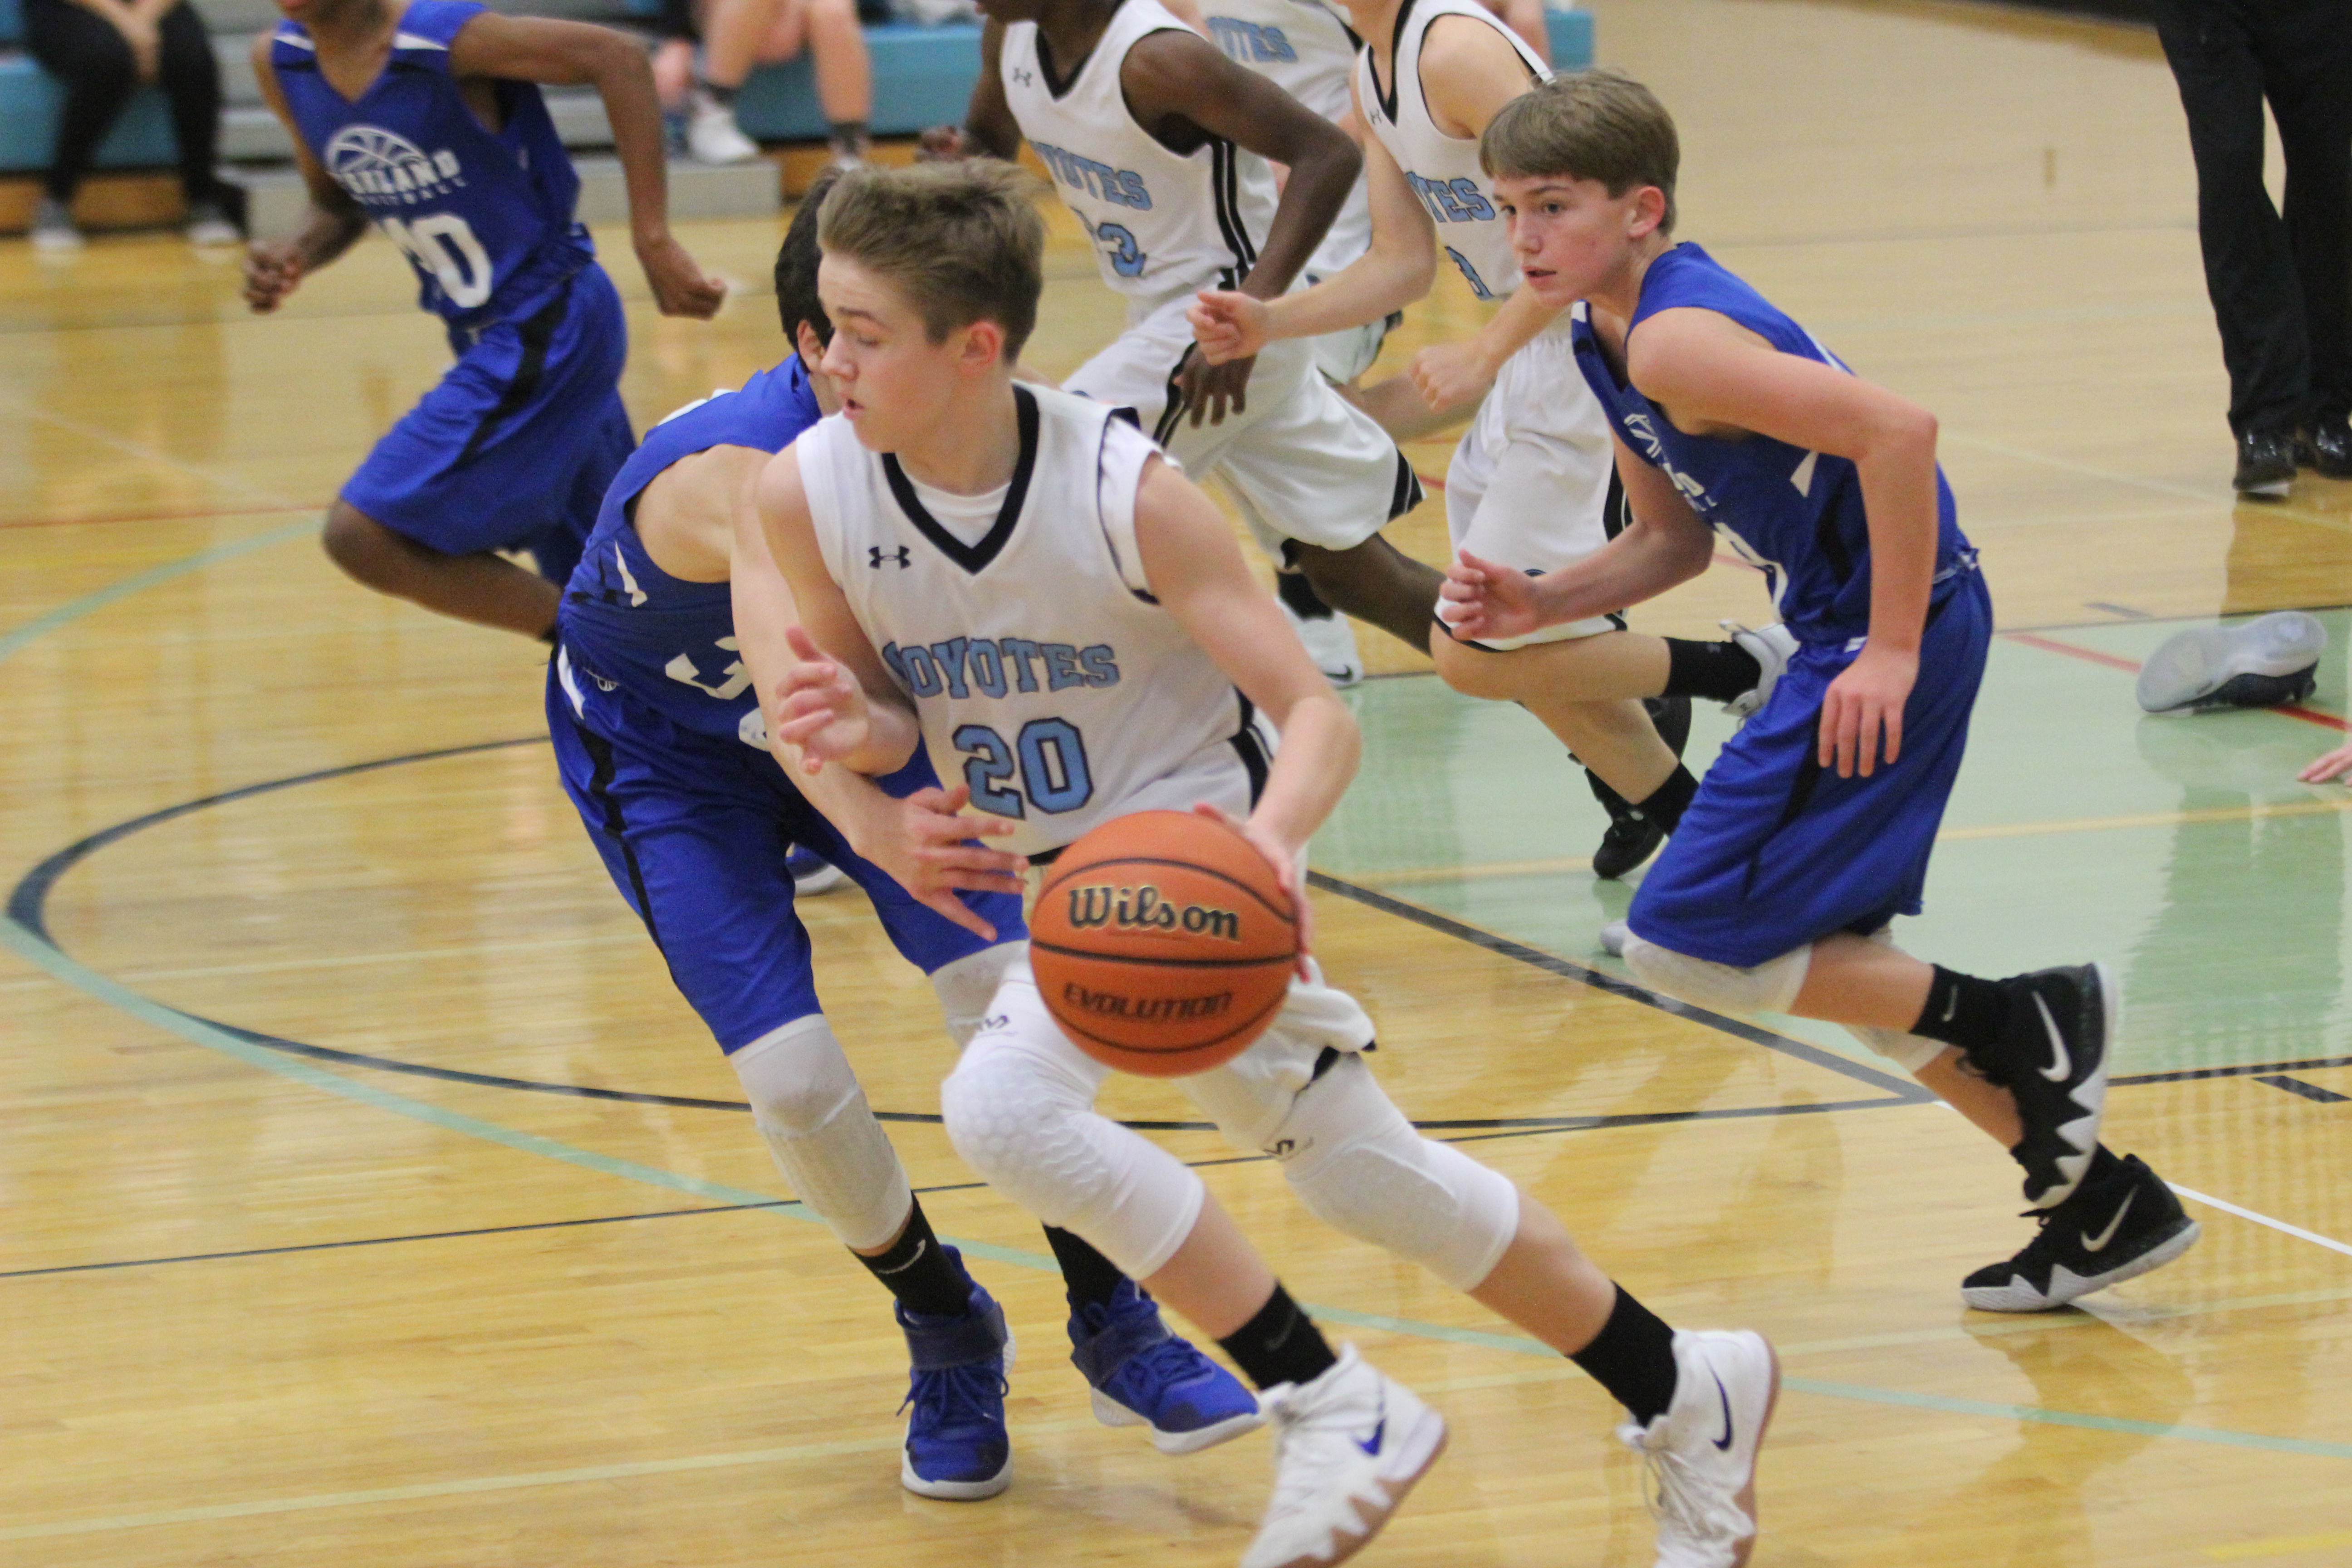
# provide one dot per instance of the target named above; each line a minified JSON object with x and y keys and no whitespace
{"x":1723,"y":1442}
{"x":1951,"y":1006}
{"x":910,"y":1262}
{"x":2062,"y":1062}
{"x":1372,"y":1445}
{"x":2108,"y":1235}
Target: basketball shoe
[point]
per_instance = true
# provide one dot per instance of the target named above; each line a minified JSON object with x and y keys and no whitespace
{"x":1633,"y":838}
{"x":1143,"y":1376}
{"x":2054,"y":1059}
{"x":1331,"y":642}
{"x":957,"y":1446}
{"x":2119,"y":1224}
{"x":1347,"y":1447}
{"x":812,"y":873}
{"x":2256,"y":664}
{"x":1773,"y":647}
{"x":1702,"y":1452}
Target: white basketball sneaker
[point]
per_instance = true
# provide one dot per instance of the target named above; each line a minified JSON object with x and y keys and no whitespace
{"x":1347,"y":1448}
{"x":711,"y":135}
{"x":2256,"y":664}
{"x":1702,"y":1451}
{"x":1773,"y":647}
{"x":1331,"y":643}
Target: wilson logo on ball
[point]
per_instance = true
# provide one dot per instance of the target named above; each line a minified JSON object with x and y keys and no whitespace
{"x":1143,"y":909}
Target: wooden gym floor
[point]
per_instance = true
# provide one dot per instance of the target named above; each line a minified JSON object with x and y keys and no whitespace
{"x":372,"y":1198}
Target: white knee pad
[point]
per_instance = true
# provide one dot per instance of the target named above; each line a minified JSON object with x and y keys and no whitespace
{"x":813,"y":1118}
{"x":1909,"y":1052}
{"x":966,"y":987}
{"x":1025,"y":1120}
{"x":1768,"y":987}
{"x":1358,"y":1164}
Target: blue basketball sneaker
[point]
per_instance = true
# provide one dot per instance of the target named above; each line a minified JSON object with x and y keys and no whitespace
{"x":957,"y":1446}
{"x":1143,"y":1376}
{"x":812,"y":873}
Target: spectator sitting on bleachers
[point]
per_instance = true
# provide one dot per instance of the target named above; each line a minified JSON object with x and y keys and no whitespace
{"x":102,"y":50}
{"x":739,"y":34}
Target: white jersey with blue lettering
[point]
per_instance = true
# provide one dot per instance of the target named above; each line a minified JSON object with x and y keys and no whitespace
{"x":1306,"y":48}
{"x":1443,"y":170}
{"x":1044,"y":674}
{"x":1165,"y":225}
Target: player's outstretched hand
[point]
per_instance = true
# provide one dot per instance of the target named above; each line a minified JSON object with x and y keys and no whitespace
{"x":1228,"y":325}
{"x":680,"y":288}
{"x":1451,"y":376}
{"x":820,"y":707}
{"x":272,"y":269}
{"x":1284,"y":861}
{"x":944,"y":144}
{"x":929,"y":847}
{"x":1480,"y":599}
{"x":2335,"y":764}
{"x":1207,"y":389}
{"x":1863,"y":703}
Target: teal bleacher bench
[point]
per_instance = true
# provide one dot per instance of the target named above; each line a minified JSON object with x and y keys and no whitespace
{"x":922,"y":77}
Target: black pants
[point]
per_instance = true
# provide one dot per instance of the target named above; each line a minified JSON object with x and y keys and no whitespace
{"x":83,"y":51}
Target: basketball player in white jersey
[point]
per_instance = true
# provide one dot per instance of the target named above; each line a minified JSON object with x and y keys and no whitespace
{"x":1159,"y":144}
{"x":1530,"y":481}
{"x":1014,"y":579}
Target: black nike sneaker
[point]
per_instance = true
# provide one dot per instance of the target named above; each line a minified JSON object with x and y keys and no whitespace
{"x":1633,"y":838}
{"x":2054,"y":1059}
{"x":2116,"y":1226}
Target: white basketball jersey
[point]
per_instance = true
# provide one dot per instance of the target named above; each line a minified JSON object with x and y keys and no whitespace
{"x":1306,"y":48}
{"x":1164,"y":225}
{"x":1043,"y":672}
{"x":1443,"y":170}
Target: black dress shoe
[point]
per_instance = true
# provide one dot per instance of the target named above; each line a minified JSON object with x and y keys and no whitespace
{"x":2326,"y":448}
{"x":2266,"y":465}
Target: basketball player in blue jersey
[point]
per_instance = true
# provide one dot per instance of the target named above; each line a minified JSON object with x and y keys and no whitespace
{"x":1812,"y":830}
{"x":1012,"y":581}
{"x":426,"y":119}
{"x":658,"y":737}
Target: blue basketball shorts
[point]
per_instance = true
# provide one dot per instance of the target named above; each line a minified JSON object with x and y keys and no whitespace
{"x":514,"y":447}
{"x":694,"y":830}
{"x":1777,"y":852}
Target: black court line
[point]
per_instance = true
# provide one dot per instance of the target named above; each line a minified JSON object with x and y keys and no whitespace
{"x":2249,"y":1070}
{"x":2308,"y":1090}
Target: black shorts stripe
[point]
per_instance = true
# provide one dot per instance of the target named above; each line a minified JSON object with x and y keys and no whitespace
{"x":599,"y":786}
{"x":1172,"y":403}
{"x":538,"y":332}
{"x":1250,"y":749}
{"x":1225,"y":188}
{"x":1409,"y":493}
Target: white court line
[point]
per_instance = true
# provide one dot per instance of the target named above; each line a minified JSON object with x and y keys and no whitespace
{"x":2278,"y":1225}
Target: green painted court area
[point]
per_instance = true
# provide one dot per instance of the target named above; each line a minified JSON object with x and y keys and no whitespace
{"x":2179,"y":848}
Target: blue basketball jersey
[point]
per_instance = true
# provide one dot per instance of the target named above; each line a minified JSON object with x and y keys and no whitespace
{"x":1796,"y":514}
{"x":670,"y":645}
{"x":484,"y":217}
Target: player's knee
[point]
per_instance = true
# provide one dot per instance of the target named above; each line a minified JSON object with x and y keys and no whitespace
{"x":1768,"y":987}
{"x":1015,"y":1121}
{"x":795,"y":1077}
{"x":1360,"y":1167}
{"x":968,"y":985}
{"x":1472,"y":670}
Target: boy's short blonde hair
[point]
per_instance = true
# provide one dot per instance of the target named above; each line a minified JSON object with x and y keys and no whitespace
{"x":962,"y":241}
{"x":1588,"y":125}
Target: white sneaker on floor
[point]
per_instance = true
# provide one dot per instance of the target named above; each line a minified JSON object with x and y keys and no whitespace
{"x":1773,"y":647}
{"x":208,"y":226}
{"x":1347,"y":1448}
{"x":2254,"y":664}
{"x":1614,"y":934}
{"x":713,"y":137}
{"x":53,"y":227}
{"x":1702,"y":1451}
{"x":1331,"y":643}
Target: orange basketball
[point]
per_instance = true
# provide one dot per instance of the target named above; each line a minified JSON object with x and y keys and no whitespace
{"x":1162,"y":944}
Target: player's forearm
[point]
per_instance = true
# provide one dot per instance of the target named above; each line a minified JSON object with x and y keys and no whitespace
{"x":624,"y":79}
{"x":1368,"y":289}
{"x":327,"y":232}
{"x":1519,"y":322}
{"x":1311,"y":197}
{"x":1312,"y":767}
{"x":847,"y":797}
{"x":1898,"y":497}
{"x":1640,"y":564}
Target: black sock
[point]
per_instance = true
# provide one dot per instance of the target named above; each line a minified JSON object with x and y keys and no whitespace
{"x":848,"y":136}
{"x":918,"y":1271}
{"x":1667,"y":802}
{"x":1087,"y":1277}
{"x":1294,"y":590}
{"x":1281,"y":1344}
{"x":1633,"y":1357}
{"x":722,"y":95}
{"x":1966,"y":1012}
{"x":1718,"y":671}
{"x":547,"y":636}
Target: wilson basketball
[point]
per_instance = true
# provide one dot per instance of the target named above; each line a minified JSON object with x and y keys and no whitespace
{"x":1162,"y":944}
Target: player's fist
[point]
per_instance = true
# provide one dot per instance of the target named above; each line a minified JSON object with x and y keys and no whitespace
{"x":1228,"y":325}
{"x":272,"y":269}
{"x":1451,"y":376}
{"x":1479,"y":599}
{"x":945,"y":144}
{"x":680,"y":288}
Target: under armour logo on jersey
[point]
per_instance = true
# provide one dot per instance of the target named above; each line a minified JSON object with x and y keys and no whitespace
{"x":1022,"y":76}
{"x":876,"y":555}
